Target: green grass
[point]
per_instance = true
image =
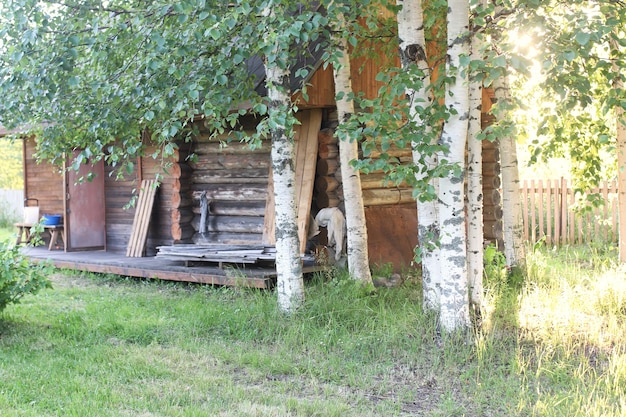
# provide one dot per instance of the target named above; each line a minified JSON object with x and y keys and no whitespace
{"x":554,"y":345}
{"x":7,"y":233}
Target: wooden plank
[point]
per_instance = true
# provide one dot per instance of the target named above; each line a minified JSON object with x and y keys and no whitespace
{"x":269,"y":236}
{"x":306,"y":161}
{"x":310,"y":133}
{"x":549,"y":234}
{"x":141,"y":222}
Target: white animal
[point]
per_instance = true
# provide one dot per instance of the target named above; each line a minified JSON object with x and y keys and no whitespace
{"x":335,"y":223}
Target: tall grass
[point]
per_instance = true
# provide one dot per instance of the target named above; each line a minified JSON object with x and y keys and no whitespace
{"x":550,"y":344}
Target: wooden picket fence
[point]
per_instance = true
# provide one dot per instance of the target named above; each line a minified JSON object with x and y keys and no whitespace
{"x":548,"y":213}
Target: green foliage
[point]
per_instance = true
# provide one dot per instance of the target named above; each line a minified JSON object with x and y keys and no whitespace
{"x":495,"y":269}
{"x":11,"y":168}
{"x":18,"y":276}
{"x":581,"y":50}
{"x":138,"y":67}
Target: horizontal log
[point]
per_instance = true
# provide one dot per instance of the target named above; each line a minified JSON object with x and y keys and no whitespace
{"x":179,"y":170}
{"x":178,"y":200}
{"x":491,"y":168}
{"x":234,"y":208}
{"x":327,"y":200}
{"x":205,"y":136}
{"x":491,"y":154}
{"x":492,"y":212}
{"x":181,"y":216}
{"x":337,"y":176}
{"x":393,"y":151}
{"x":487,"y":120}
{"x":228,"y":238}
{"x":327,"y":166}
{"x":236,"y":192}
{"x":227,"y":162}
{"x":378,"y":197}
{"x":492,"y":198}
{"x":326,"y":184}
{"x":326,"y":137}
{"x":377,"y":180}
{"x":491,"y":182}
{"x":230,"y":148}
{"x":492,"y":228}
{"x":231,"y":224}
{"x":247,"y":175}
{"x":328,"y":151}
{"x":182,"y":231}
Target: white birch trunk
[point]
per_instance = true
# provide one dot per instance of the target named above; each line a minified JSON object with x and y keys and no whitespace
{"x":618,"y":83}
{"x":512,"y":226}
{"x":290,"y":284}
{"x":413,"y":51}
{"x":475,"y":230}
{"x":358,"y":256}
{"x":454,"y":306}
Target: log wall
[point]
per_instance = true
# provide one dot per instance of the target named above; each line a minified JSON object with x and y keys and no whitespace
{"x":235,"y":180}
{"x":171,"y":209}
{"x":492,"y":198}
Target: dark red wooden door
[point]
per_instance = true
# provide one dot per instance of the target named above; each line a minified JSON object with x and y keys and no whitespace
{"x":85,"y":209}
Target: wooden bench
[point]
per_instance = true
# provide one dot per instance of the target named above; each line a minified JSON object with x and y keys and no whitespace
{"x":56,"y":232}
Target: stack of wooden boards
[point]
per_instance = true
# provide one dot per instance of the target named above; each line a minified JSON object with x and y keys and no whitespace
{"x":237,"y":254}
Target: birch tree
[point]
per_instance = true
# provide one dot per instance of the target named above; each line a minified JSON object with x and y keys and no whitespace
{"x":454,"y":311}
{"x":512,"y":226}
{"x":413,"y":59}
{"x":358,"y":258}
{"x":290,"y":284}
{"x":475,"y":229}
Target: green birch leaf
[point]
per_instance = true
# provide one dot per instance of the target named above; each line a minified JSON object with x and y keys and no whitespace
{"x":582,"y":38}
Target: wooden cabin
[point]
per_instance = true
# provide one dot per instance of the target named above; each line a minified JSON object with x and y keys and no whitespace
{"x":236,"y":182}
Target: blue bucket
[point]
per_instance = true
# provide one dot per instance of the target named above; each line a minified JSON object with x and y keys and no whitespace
{"x":51,"y":219}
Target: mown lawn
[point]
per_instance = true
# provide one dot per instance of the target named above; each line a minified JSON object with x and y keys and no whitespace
{"x":553,"y":344}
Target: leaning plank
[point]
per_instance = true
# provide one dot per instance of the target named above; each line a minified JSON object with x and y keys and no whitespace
{"x":306,"y":150}
{"x":139,"y":233}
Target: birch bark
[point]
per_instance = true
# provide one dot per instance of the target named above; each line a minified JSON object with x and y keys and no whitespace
{"x":358,"y":256}
{"x":475,"y":230}
{"x":413,"y":52}
{"x":290,"y":285}
{"x":454,"y":306}
{"x":512,"y":227}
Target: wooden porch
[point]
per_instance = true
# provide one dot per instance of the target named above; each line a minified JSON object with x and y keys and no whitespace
{"x":212,"y":272}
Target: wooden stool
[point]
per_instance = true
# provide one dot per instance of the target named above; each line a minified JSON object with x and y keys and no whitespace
{"x":56,"y":232}
{"x":23,"y":230}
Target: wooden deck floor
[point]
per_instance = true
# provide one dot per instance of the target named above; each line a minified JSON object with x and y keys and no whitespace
{"x":159,"y":268}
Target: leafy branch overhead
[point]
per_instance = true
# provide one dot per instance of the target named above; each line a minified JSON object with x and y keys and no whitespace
{"x":94,"y":77}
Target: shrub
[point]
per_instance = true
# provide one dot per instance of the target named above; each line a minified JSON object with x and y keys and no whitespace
{"x":18,"y":276}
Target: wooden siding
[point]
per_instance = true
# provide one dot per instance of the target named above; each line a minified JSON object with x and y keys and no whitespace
{"x":42,"y":181}
{"x":119,"y":219}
